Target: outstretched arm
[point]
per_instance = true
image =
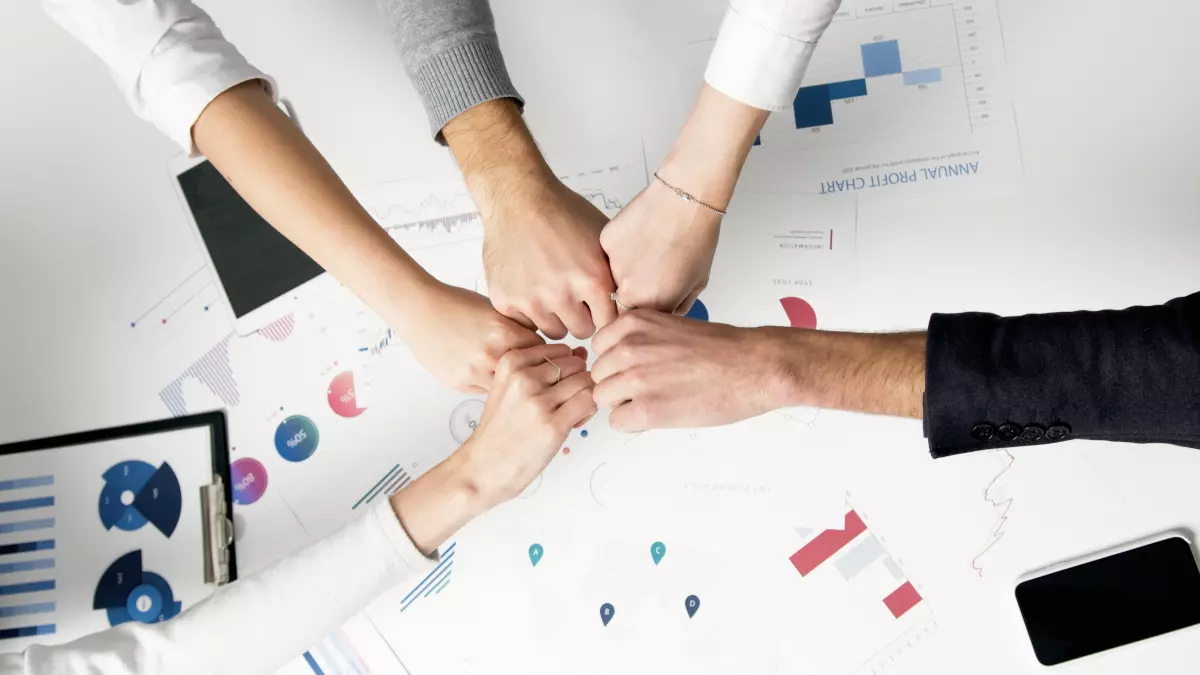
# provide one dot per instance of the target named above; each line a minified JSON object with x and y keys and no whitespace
{"x":545,"y":267}
{"x":257,"y":624}
{"x":177,"y":71}
{"x":979,"y":381}
{"x":661,"y":247}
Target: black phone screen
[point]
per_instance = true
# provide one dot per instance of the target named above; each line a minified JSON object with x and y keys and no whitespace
{"x":1113,"y":601}
{"x":255,"y":263}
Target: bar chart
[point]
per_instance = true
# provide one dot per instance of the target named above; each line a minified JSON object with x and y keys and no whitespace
{"x":866,"y":602}
{"x":27,"y":563}
{"x":884,"y":71}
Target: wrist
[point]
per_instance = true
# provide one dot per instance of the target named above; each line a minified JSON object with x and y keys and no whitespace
{"x":439,"y":503}
{"x":712,"y":147}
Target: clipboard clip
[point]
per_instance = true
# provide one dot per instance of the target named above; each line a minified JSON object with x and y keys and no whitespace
{"x":218,"y":532}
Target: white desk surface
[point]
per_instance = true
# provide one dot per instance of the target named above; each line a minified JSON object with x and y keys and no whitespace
{"x":1104,"y":99}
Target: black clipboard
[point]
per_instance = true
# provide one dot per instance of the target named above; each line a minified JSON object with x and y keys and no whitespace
{"x":217,"y":498}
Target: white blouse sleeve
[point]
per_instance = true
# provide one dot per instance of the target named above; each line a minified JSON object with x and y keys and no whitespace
{"x":256,"y":624}
{"x":764,"y":47}
{"x":167,"y":56}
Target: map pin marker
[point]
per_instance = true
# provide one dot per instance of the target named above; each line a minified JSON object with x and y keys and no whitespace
{"x":535,"y":554}
{"x":657,"y":551}
{"x":692,"y":604}
{"x":606,"y":612}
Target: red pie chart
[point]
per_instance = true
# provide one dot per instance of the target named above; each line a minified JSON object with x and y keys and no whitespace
{"x":341,"y":396}
{"x":800,"y":314}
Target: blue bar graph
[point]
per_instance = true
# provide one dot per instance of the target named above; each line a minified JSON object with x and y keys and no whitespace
{"x":27,"y":525}
{"x":26,"y":631}
{"x":881,"y":58}
{"x":35,"y":481}
{"x":27,"y":587}
{"x":27,"y":546}
{"x":21,"y":504}
{"x":847,"y":89}
{"x":26,"y":610}
{"x":923,"y":76}
{"x":27,"y":566}
{"x":812,"y":107}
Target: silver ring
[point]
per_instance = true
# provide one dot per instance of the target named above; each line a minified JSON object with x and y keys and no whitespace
{"x":557,"y":370}
{"x":613,"y":296}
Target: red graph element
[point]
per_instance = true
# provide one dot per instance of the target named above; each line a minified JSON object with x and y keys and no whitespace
{"x":826,"y":544}
{"x":280,"y":330}
{"x":800,"y":314}
{"x":342,"y":398}
{"x":902,"y":599}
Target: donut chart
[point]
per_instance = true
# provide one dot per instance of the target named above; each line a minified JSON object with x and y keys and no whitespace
{"x":342,"y":399}
{"x":800,"y":314}
{"x":296,"y":439}
{"x":249,"y":478}
{"x":129,"y":593}
{"x":135,"y":493}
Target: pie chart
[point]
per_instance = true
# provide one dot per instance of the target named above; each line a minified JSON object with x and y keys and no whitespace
{"x":129,"y":593}
{"x":698,"y":311}
{"x":341,"y":396}
{"x":800,"y":314}
{"x":135,"y":493}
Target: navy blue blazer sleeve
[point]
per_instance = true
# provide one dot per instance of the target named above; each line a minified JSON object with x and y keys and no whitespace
{"x":1129,"y":375}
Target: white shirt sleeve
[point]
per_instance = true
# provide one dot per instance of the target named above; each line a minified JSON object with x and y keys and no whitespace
{"x":764,"y":47}
{"x":167,"y":56}
{"x":254,"y":625}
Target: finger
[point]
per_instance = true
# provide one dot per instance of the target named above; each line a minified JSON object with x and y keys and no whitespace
{"x":507,"y":335}
{"x":612,"y":334}
{"x":578,"y":320}
{"x":617,"y":390}
{"x":581,"y":352}
{"x":563,"y":391}
{"x":631,"y":417}
{"x":519,"y":317}
{"x":578,"y":408}
{"x":686,"y":306}
{"x":553,"y":371}
{"x":519,"y":359}
{"x":617,"y":360}
{"x":601,"y":306}
{"x":585,"y":420}
{"x":550,"y":325}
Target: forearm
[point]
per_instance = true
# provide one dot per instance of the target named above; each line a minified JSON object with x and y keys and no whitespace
{"x":874,"y":373}
{"x":286,"y":180}
{"x":709,"y":153}
{"x":442,"y":501}
{"x":496,"y":153}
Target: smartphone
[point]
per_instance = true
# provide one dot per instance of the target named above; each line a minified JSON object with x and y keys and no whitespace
{"x":1111,"y":598}
{"x":260,"y":274}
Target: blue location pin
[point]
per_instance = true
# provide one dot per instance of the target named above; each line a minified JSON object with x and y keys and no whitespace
{"x":535,"y":554}
{"x":657,"y":551}
{"x":692,"y":604}
{"x":606,"y":612}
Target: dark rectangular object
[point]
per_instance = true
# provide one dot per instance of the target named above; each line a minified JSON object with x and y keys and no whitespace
{"x":1113,"y":601}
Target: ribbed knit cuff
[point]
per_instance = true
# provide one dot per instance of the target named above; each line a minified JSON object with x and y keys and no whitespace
{"x":461,"y":78}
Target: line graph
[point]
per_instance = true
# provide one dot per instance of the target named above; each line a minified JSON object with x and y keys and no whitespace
{"x":169,"y":304}
{"x":1001,"y":507}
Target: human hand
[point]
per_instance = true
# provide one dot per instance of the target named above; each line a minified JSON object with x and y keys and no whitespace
{"x":459,"y":337}
{"x":657,"y":370}
{"x":542,"y":256}
{"x":661,"y":249}
{"x":538,"y":396}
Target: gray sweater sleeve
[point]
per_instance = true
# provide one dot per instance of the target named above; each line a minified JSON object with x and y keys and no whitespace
{"x":451,"y":53}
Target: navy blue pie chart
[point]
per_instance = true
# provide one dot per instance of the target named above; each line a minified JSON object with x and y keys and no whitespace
{"x":129,"y":593}
{"x":136,"y":493}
